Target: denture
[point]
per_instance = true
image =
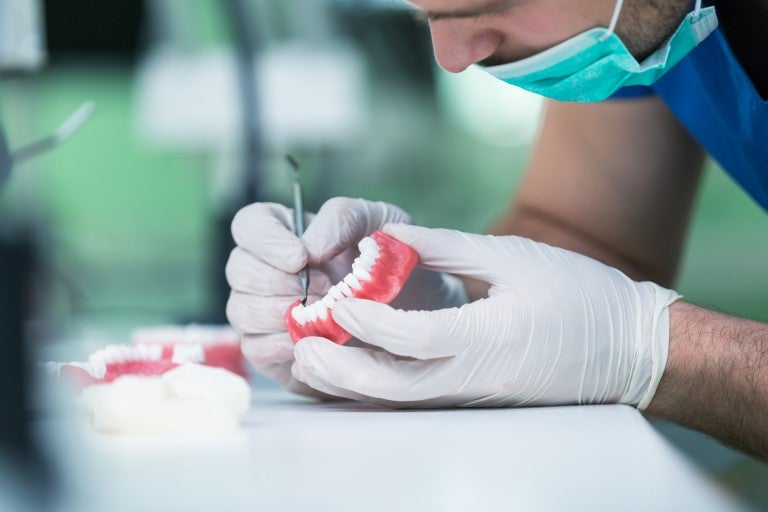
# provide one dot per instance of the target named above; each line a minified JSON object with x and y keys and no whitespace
{"x":378,"y":274}
{"x":153,"y":352}
{"x":111,"y":362}
{"x":209,"y":345}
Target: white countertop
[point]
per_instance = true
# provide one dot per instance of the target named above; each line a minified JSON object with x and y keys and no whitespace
{"x":298,"y":455}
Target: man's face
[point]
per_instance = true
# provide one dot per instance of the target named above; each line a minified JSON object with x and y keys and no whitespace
{"x":491,"y":32}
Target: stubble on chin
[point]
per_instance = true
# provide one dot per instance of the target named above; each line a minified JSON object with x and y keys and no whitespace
{"x":645,"y":25}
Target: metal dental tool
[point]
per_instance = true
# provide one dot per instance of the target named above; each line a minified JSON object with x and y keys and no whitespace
{"x":9,"y":159}
{"x":298,"y":221}
{"x":62,"y":133}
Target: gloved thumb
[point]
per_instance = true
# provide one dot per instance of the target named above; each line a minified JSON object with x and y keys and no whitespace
{"x":483,"y":257}
{"x":342,"y":222}
{"x":416,"y":334}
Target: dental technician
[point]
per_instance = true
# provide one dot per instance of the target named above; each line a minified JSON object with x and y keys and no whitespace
{"x":578,"y":310}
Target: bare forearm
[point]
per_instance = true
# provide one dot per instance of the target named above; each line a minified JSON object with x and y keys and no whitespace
{"x":538,"y":224}
{"x":535,"y":223}
{"x":716,"y":380}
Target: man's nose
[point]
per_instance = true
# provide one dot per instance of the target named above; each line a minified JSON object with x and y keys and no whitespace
{"x":456,"y":49}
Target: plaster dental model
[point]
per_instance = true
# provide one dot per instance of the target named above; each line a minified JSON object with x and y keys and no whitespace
{"x":379,"y":274}
{"x":190,"y":399}
{"x":144,"y":389}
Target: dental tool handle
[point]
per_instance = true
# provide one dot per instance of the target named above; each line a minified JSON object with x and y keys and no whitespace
{"x":298,"y":209}
{"x":298,"y":223}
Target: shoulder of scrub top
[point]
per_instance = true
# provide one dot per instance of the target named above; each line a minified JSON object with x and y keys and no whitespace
{"x":632,"y":92}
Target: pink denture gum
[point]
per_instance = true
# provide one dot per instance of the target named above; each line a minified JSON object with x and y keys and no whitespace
{"x":212,"y":346}
{"x":379,"y":273}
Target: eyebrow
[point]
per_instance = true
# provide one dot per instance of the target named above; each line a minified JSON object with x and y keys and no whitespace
{"x":491,"y":7}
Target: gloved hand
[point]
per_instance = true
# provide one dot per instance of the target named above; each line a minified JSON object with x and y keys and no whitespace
{"x":557,"y":328}
{"x":262,"y":271}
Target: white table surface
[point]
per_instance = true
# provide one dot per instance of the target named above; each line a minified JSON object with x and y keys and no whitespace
{"x":298,"y":455}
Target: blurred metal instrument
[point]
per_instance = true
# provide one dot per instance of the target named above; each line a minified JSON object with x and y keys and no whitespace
{"x":298,"y":221}
{"x":10,"y":159}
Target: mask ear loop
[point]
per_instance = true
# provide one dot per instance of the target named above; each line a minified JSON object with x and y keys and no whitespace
{"x":697,"y":10}
{"x":615,"y":18}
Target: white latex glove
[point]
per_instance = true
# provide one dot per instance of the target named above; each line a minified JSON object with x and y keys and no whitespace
{"x":557,"y":328}
{"x":262,"y":271}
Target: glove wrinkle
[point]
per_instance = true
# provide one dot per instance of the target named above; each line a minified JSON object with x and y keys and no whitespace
{"x":412,"y":334}
{"x":557,"y":328}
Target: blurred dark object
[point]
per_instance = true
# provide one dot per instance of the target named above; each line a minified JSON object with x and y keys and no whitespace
{"x":17,"y":264}
{"x":397,"y":46}
{"x":6,"y":162}
{"x":15,"y":273}
{"x":247,"y":41}
{"x":90,"y":28}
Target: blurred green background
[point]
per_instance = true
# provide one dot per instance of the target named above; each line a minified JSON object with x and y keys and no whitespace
{"x":131,"y":218}
{"x":132,"y":225}
{"x":129,"y":226}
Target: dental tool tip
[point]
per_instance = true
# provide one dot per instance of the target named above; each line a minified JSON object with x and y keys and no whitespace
{"x":292,"y":162}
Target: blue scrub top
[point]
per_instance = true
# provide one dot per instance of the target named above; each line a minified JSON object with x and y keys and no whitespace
{"x":712,"y":96}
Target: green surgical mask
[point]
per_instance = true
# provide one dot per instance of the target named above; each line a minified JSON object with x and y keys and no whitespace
{"x":593,"y":65}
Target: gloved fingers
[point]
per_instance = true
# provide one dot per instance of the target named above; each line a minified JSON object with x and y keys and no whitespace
{"x":301,"y":374}
{"x":266,"y":231}
{"x":487,"y":258}
{"x":301,"y":388}
{"x":252,"y":314}
{"x":374,"y":373}
{"x":417,"y":334}
{"x":266,"y":350}
{"x":281,"y":373}
{"x":342,"y":222}
{"x":248,"y":274}
{"x":428,"y":290}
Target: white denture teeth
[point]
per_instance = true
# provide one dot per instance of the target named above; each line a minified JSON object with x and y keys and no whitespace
{"x":299,"y":314}
{"x":345,"y":289}
{"x":52,"y":369}
{"x":320,"y":310}
{"x":352,"y":281}
{"x":369,"y":245}
{"x":361,"y":274}
{"x":97,"y":369}
{"x":335,"y":293}
{"x":367,"y":260}
{"x":361,"y":271}
{"x":192,"y":353}
{"x":111,"y":354}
